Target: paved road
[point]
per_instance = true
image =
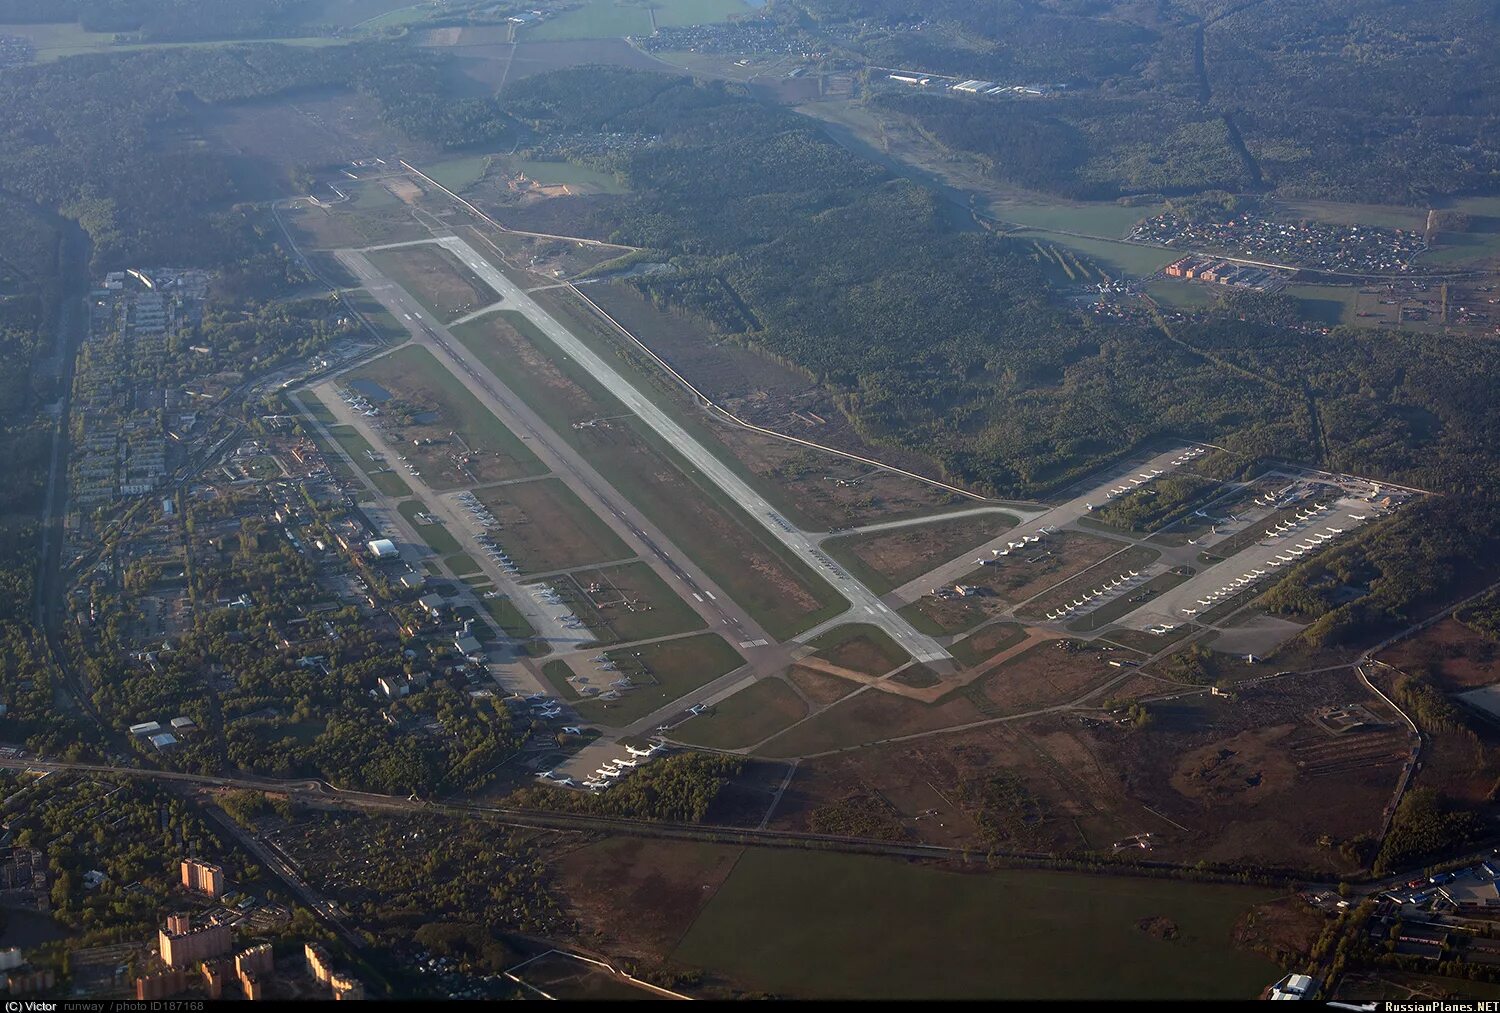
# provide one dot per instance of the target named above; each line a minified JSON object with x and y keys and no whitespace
{"x":865,"y":605}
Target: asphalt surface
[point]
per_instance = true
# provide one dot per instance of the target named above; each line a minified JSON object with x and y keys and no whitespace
{"x":764,"y":656}
{"x":865,"y":605}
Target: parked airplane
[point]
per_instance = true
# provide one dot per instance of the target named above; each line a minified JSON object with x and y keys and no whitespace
{"x":572,"y":730}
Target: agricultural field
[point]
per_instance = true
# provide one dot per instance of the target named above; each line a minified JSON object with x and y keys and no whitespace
{"x":749,"y":716}
{"x":544,"y":526}
{"x":888,"y":559}
{"x":435,"y":278}
{"x":820,"y":926}
{"x":626,"y":603}
{"x":776,"y":590}
{"x":662,"y":672}
{"x":440,"y":427}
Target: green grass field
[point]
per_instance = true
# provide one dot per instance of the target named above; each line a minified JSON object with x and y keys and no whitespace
{"x":677,"y":501}
{"x":884,"y":560}
{"x":1118,"y":256}
{"x":462,"y":564}
{"x":414,"y":369}
{"x":56,"y":41}
{"x":544,"y":527}
{"x":813,"y":925}
{"x":512,"y":623}
{"x":658,"y":610}
{"x":605,"y":19}
{"x":436,"y":279}
{"x":458,"y":174}
{"x":754,"y":713}
{"x":1329,"y":304}
{"x":1106,"y":220}
{"x":673,"y":667}
{"x":435,"y":535}
{"x":563,"y":173}
{"x":356,"y":446}
{"x":556,"y":673}
{"x":377,"y":316}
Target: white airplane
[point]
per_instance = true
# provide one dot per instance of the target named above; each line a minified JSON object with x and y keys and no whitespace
{"x":627,"y":763}
{"x":1051,"y":615}
{"x":1202,"y":601}
{"x":639,"y":752}
{"x":572,"y":730}
{"x":1358,"y":517}
{"x":565,"y":782}
{"x":1258,"y":573}
{"x":1337,"y":531}
{"x":1001,"y":552}
{"x":1189,"y":612}
{"x":1284,"y":559}
{"x":1134,"y":574}
{"x":545,"y":774}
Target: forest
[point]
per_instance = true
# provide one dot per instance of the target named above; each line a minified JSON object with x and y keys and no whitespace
{"x":1374,"y":100}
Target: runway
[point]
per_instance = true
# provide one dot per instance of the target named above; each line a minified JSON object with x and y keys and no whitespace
{"x":865,"y":605}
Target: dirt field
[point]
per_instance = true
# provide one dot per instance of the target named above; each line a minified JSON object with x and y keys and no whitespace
{"x":443,"y":430}
{"x":1255,"y":778}
{"x":1042,"y":676}
{"x":887,"y":559}
{"x":1456,"y":656}
{"x":819,"y":687}
{"x":544,"y":526}
{"x":436,"y":279}
{"x":869,"y":716}
{"x":929,"y":791}
{"x":866,"y":649}
{"x":662,"y":884}
{"x":988,"y":642}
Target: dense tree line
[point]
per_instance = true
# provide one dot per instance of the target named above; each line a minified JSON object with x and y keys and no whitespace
{"x":1374,"y":100}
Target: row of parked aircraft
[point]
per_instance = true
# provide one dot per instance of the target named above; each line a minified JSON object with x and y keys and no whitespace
{"x":546,"y":595}
{"x":357,"y":401}
{"x":1010,"y":547}
{"x":1188,"y":454}
{"x":1163,"y":629}
{"x":1114,"y":587}
{"x":1133,"y":483}
{"x":1234,"y":587}
{"x":618,"y":768}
